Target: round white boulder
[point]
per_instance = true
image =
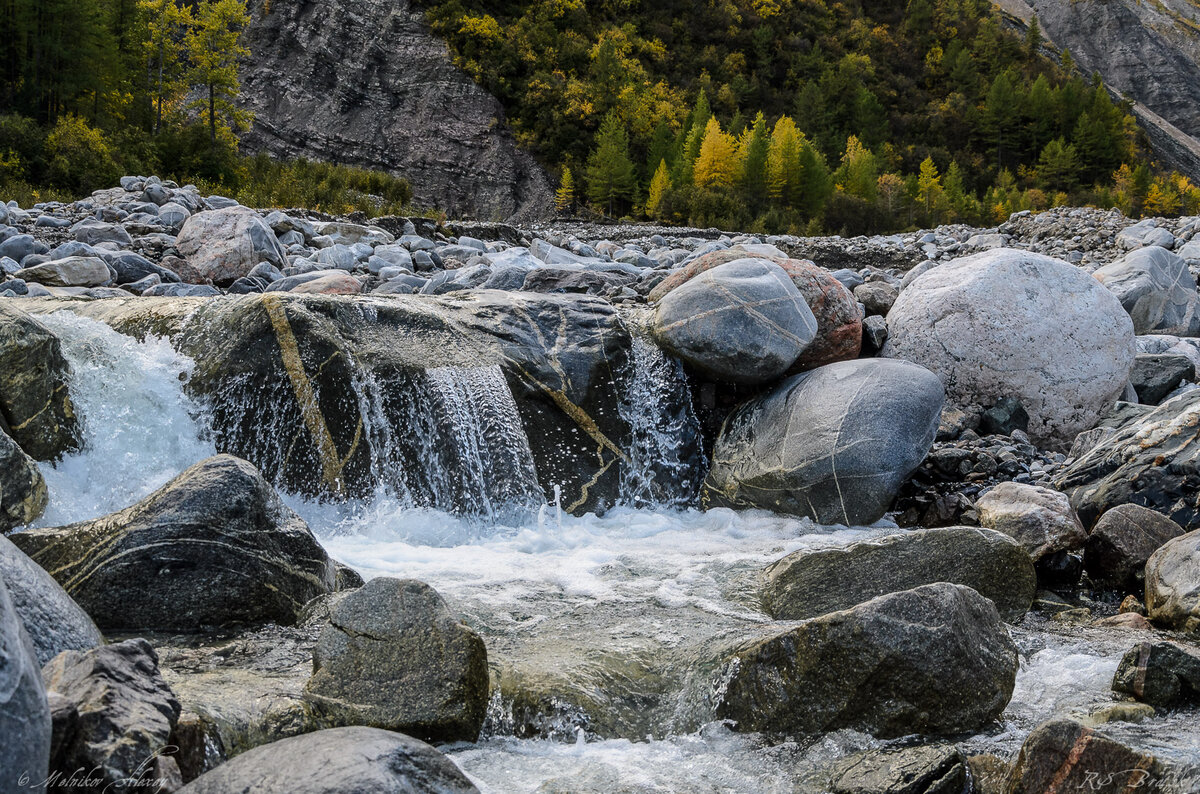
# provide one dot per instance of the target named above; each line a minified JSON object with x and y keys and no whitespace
{"x":1008,"y":323}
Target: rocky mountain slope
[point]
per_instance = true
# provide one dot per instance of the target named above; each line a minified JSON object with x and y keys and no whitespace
{"x":366,"y":83}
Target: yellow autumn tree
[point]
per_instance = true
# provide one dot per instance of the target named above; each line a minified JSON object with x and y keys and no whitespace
{"x":717,"y":165}
{"x":659,"y":184}
{"x":929,"y":186}
{"x":564,"y":198}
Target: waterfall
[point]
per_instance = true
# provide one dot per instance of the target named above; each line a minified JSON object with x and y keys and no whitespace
{"x":666,"y":457}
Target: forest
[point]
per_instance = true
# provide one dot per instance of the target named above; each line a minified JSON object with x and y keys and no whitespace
{"x":804,"y":115}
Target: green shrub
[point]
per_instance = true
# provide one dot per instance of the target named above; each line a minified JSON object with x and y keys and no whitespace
{"x":80,"y":157}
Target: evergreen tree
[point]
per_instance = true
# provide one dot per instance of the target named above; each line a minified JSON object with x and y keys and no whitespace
{"x":659,"y":185}
{"x":564,"y":198}
{"x":858,"y":172}
{"x":756,"y":147}
{"x":814,"y":184}
{"x":1033,"y":39}
{"x":1057,"y":166}
{"x":214,"y":45}
{"x":716,"y":164}
{"x":783,"y":162}
{"x":609,"y":170}
{"x":1000,"y":112}
{"x":929,"y":189}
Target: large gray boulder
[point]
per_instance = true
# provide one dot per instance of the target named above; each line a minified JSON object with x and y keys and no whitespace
{"x":1008,"y":323}
{"x":23,"y":495}
{"x":221,"y":246}
{"x":34,"y":400}
{"x":54,"y":622}
{"x":1121,"y":543}
{"x":354,"y":760}
{"x":1163,"y":674}
{"x":742,"y":322}
{"x":935,"y":659}
{"x":1156,"y":288}
{"x":1173,"y":584}
{"x":1040,"y":519}
{"x":126,"y":713}
{"x":24,"y":711}
{"x":73,"y":271}
{"x":834,"y":444}
{"x":213,"y":547}
{"x":393,"y":656}
{"x":813,"y":582}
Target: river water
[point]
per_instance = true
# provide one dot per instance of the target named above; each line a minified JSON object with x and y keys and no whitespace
{"x":598,"y":606}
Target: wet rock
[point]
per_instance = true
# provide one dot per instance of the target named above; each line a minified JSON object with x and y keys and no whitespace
{"x":73,"y":271}
{"x":1121,"y":543}
{"x":741,"y":322}
{"x":1065,"y":755}
{"x":1008,"y":323}
{"x":393,"y":656}
{"x":913,"y":770}
{"x":1149,"y":462}
{"x":1154,"y":376}
{"x":24,"y":711}
{"x":53,"y":621}
{"x":214,"y":546}
{"x":221,"y":246}
{"x":1156,"y":289}
{"x":810,"y":583}
{"x":126,"y":713}
{"x":1159,"y":673}
{"x":1040,"y":519}
{"x":1173,"y":583}
{"x":34,"y":399}
{"x":23,"y":495}
{"x":337,"y":761}
{"x":936,"y":659}
{"x":834,"y":444}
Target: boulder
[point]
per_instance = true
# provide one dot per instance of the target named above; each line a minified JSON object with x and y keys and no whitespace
{"x":323,"y":282}
{"x":809,"y":583}
{"x":53,"y":621}
{"x":1040,"y":519}
{"x":393,"y":656}
{"x":839,"y":320}
{"x":1173,"y":584}
{"x":126,"y":713}
{"x":741,"y":322}
{"x":23,"y":495}
{"x":1157,"y":290}
{"x":221,"y":246}
{"x":73,"y":271}
{"x":94,"y":232}
{"x":1163,"y":674}
{"x":1151,"y":461}
{"x":1008,"y":323}
{"x":354,"y":760}
{"x":935,"y":659}
{"x":213,"y":547}
{"x":24,"y":710}
{"x":1122,"y":542}
{"x":876,"y":297}
{"x":939,"y":769}
{"x":1156,"y":375}
{"x":834,"y":444}
{"x":562,"y":280}
{"x":34,"y":400}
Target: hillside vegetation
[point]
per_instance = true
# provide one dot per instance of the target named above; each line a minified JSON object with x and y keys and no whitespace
{"x":781,"y":115}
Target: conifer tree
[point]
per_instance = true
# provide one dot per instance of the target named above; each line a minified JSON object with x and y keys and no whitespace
{"x":609,"y":170}
{"x":814,"y":184}
{"x":859,"y":171}
{"x":1057,"y":166}
{"x":168,"y":23}
{"x":783,"y":161}
{"x":756,"y":144}
{"x":214,"y":45}
{"x":1000,"y":110}
{"x":716,"y":163}
{"x":660,"y":183}
{"x":1033,"y":38}
{"x":929,"y":188}
{"x":564,"y":198}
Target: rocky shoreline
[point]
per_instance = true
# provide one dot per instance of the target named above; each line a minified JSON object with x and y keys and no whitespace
{"x":1021,"y":399}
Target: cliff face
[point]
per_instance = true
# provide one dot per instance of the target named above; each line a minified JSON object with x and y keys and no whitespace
{"x":364,"y":82}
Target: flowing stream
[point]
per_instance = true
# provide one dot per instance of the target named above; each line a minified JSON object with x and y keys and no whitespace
{"x":594,"y":603}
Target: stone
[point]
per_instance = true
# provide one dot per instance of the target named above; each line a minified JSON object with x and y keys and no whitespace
{"x":1157,"y":290}
{"x":353,"y":760}
{"x":876,"y":297}
{"x":1004,"y":417}
{"x":174,"y":215}
{"x":741,"y":322}
{"x":1151,"y":461}
{"x":935,"y":659}
{"x":74,"y":271}
{"x":342,"y":233}
{"x":20,"y":246}
{"x":548,"y":280}
{"x":1008,"y":323}
{"x":224,"y":245}
{"x":1173,"y":584}
{"x":328,"y":283}
{"x":24,"y":711}
{"x":94,"y":232}
{"x":1162,"y":674}
{"x":53,"y":621}
{"x":839,"y":320}
{"x":181,"y":291}
{"x":394,"y":657}
{"x":940,"y":769}
{"x":23,"y":495}
{"x":1154,"y":376}
{"x":1065,"y":755}
{"x":874,"y":334}
{"x":132,"y":267}
{"x":1040,"y":519}
{"x":126,"y":714}
{"x":1121,"y":543}
{"x":213,"y":547}
{"x":810,"y":583}
{"x":35,"y":402}
{"x":834,"y":444}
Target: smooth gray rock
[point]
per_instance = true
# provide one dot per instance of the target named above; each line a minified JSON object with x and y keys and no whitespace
{"x":23,"y":495}
{"x":393,"y":656}
{"x":1040,"y":519}
{"x":1121,"y":543}
{"x":1155,"y":375}
{"x":24,"y":710}
{"x":1008,"y":323}
{"x":181,"y":291}
{"x":834,"y":444}
{"x":224,"y":245}
{"x":940,"y":769}
{"x":1173,"y":584}
{"x":94,"y":232}
{"x":74,"y":271}
{"x":355,"y":760}
{"x":213,"y":547}
{"x":742,"y":322}
{"x":1157,"y":290}
{"x":814,"y":582}
{"x":54,"y":622}
{"x":1163,"y":674}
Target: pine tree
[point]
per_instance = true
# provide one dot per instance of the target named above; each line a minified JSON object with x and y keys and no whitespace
{"x":783,"y":162}
{"x":1057,"y":166}
{"x":564,"y":198}
{"x":929,"y":188}
{"x":214,"y":45}
{"x":609,"y":170}
{"x":859,"y":170}
{"x":814,"y":184}
{"x":1033,"y":39}
{"x":1000,"y":111}
{"x":756,"y":145}
{"x":659,"y":185}
{"x":716,"y":163}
